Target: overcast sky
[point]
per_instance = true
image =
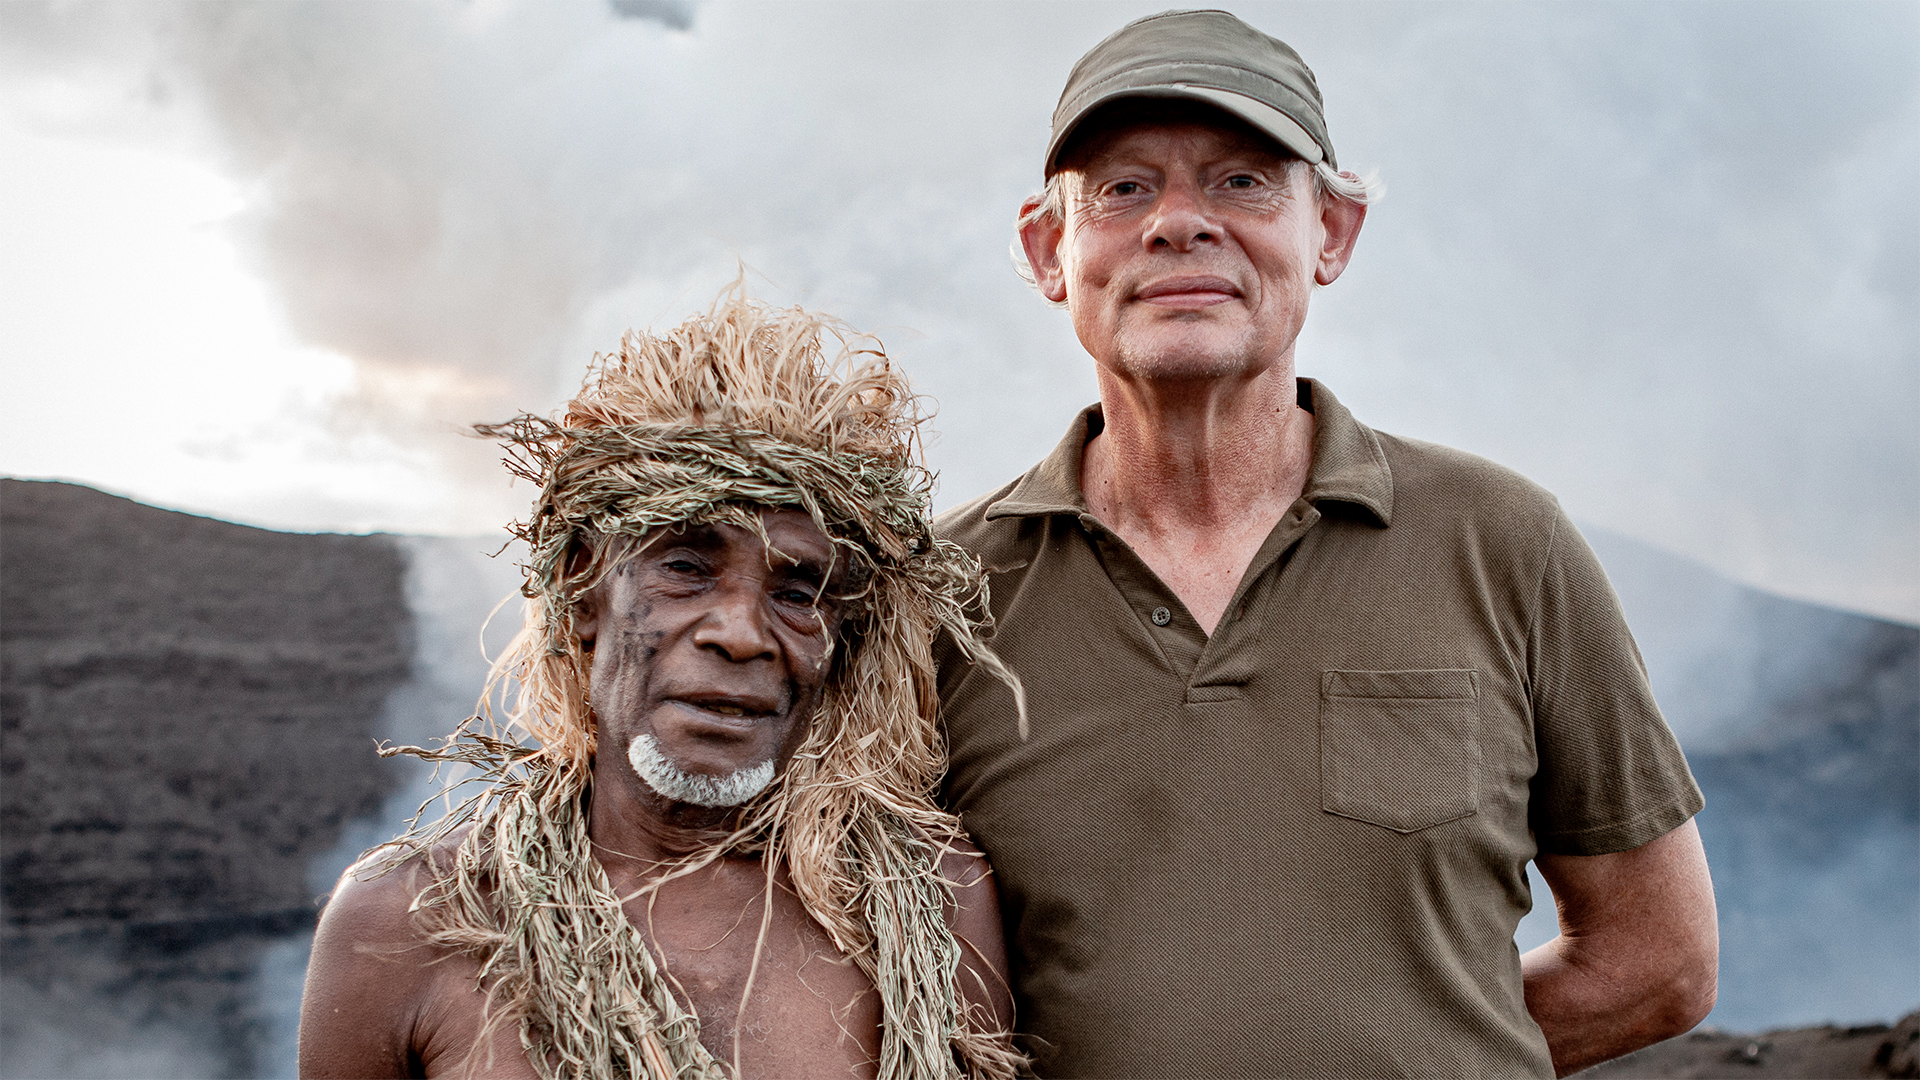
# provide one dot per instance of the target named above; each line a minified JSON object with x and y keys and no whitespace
{"x":264,"y":260}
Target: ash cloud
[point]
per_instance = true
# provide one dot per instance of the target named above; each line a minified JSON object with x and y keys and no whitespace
{"x":1658,"y":257}
{"x":673,"y":14}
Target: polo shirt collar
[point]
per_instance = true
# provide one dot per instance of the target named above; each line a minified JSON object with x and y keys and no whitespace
{"x":1053,"y":486}
{"x":1348,"y":465}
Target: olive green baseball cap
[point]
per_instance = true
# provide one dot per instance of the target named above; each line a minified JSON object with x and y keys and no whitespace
{"x":1206,"y":56}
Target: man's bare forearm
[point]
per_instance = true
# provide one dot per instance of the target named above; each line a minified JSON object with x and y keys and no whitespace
{"x":1590,"y":1014}
{"x":1638,"y":953}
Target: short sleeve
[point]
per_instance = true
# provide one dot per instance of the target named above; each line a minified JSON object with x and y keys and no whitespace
{"x":1611,"y":776}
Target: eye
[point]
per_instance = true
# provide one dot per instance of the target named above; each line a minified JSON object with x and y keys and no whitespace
{"x":796,"y":595}
{"x":681,"y":566}
{"x":1125,"y":187}
{"x":1242,"y":180}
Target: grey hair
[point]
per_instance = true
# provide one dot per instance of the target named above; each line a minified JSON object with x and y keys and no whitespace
{"x":1052,"y":204}
{"x":1358,"y":190}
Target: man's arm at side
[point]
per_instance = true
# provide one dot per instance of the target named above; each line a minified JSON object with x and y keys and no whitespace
{"x":364,"y":982}
{"x":1637,"y":959}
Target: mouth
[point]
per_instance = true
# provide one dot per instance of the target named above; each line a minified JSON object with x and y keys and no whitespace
{"x":733,"y":711}
{"x":1189,"y":291}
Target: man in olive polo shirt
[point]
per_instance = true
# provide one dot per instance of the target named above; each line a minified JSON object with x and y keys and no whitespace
{"x":1306,"y":697}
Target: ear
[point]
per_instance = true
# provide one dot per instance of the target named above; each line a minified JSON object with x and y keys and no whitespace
{"x":1341,"y":221}
{"x":587,"y":611}
{"x":589,"y":606}
{"x":1041,"y":239}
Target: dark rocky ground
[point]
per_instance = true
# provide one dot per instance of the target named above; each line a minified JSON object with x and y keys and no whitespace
{"x":1802,"y":1053}
{"x":187,"y":709}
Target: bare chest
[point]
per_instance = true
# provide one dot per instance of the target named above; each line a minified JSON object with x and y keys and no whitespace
{"x":772,"y":994}
{"x":771,"y":991}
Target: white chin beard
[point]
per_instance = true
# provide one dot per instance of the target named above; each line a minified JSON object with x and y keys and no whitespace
{"x":699,"y":789}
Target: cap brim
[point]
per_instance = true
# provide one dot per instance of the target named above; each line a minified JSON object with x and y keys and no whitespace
{"x":1262,"y":116}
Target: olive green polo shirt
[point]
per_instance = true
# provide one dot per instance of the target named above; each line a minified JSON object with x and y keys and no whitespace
{"x":1298,"y":847}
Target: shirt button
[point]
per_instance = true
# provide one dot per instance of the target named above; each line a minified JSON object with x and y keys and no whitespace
{"x":1161,"y":616}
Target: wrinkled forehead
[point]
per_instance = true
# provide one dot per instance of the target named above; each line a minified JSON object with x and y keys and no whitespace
{"x":782,"y":534}
{"x":1127,"y":122}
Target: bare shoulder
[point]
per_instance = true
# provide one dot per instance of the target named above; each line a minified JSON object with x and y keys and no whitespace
{"x":975,"y":921}
{"x":372,"y":975}
{"x":373,"y":901}
{"x":963,"y":864}
{"x":371,"y":910}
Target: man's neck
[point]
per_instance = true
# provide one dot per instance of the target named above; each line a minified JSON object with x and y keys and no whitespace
{"x":1195,"y":475}
{"x":634,"y":827}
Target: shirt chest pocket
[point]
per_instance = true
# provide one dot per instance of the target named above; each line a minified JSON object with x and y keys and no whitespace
{"x":1400,"y":749}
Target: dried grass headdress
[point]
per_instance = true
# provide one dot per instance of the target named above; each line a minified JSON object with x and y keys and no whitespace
{"x":725,"y":415}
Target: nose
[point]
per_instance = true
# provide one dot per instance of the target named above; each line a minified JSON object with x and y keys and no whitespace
{"x":737,"y":626}
{"x":1179,"y":219}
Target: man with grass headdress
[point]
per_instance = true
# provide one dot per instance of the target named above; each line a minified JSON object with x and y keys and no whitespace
{"x":718,"y":856}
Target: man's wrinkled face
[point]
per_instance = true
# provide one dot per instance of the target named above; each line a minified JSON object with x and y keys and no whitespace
{"x":1190,"y":248}
{"x":709,"y":655}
